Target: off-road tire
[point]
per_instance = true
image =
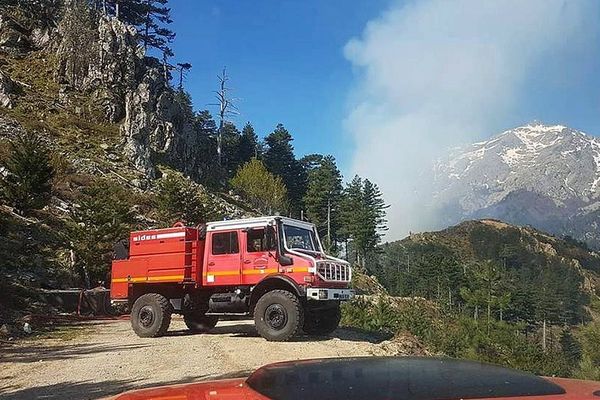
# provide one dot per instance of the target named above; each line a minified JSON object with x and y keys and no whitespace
{"x":322,"y":322}
{"x":198,"y":322}
{"x":278,"y":315}
{"x":151,"y":315}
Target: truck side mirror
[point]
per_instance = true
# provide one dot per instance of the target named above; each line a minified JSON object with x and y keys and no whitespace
{"x":285,"y":260}
{"x":269,"y":239}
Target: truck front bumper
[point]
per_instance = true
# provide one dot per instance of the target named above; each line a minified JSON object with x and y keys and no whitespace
{"x":329,"y":294}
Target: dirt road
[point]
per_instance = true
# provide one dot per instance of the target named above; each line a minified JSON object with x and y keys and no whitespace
{"x":109,"y":358}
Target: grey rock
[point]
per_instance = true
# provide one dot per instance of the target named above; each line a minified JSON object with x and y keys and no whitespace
{"x":13,"y":37}
{"x":156,"y":127}
{"x":40,"y":37}
{"x":115,"y":63}
{"x":132,"y":89}
{"x":8,"y":90}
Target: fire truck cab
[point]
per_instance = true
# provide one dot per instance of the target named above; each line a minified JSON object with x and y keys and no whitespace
{"x":272,"y":268}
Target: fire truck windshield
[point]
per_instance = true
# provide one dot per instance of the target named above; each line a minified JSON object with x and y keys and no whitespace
{"x":300,"y":238}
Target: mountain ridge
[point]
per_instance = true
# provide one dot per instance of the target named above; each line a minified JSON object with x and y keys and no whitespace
{"x":547,"y":176}
{"x":434,"y":264}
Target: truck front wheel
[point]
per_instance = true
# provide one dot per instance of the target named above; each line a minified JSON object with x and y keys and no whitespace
{"x":151,"y":315}
{"x":322,"y":322}
{"x":197,"y":322}
{"x":278,"y":315}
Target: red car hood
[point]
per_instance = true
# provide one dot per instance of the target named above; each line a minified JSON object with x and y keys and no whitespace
{"x":411,"y":379}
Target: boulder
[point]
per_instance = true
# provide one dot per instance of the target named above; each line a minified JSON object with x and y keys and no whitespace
{"x":8,"y":89}
{"x":13,"y":37}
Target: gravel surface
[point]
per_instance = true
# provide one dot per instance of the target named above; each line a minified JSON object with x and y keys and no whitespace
{"x":108,"y":358}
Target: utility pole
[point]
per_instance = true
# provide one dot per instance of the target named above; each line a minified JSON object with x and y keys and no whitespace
{"x":544,"y":335}
{"x":329,"y":220}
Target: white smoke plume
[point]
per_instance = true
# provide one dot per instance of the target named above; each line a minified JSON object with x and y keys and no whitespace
{"x":432,"y":74}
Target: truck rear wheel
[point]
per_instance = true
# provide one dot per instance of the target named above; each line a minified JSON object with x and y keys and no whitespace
{"x":151,"y":315}
{"x":278,"y":315}
{"x":197,"y":322}
{"x":322,"y":322}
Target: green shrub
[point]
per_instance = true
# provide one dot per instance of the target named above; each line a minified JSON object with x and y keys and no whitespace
{"x":28,"y":185}
{"x":180,"y":199}
{"x":263,"y":190}
{"x":103,"y":217}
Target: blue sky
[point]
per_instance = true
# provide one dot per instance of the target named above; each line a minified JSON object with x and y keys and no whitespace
{"x":285,"y":60}
{"x":357,"y":78}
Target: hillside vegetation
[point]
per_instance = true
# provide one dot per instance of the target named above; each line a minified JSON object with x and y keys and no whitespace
{"x":491,"y":291}
{"x":98,"y":137}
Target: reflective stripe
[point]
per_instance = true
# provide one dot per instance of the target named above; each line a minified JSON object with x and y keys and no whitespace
{"x":259,"y":271}
{"x":223,"y":273}
{"x":169,"y":235}
{"x":177,"y":278}
{"x":149,"y":278}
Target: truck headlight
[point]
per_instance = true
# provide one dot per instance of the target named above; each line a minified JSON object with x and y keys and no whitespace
{"x":323,"y":294}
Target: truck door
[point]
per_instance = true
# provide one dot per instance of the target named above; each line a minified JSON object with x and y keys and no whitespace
{"x":223,"y":266}
{"x":258,"y":261}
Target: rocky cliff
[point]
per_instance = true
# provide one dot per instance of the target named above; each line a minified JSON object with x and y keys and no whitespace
{"x":103,"y":74}
{"x":133,"y":90}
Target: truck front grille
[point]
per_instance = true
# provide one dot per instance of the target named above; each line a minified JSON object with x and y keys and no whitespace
{"x":334,"y":272}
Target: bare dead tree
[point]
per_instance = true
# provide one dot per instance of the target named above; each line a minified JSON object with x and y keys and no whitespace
{"x":227,"y":109}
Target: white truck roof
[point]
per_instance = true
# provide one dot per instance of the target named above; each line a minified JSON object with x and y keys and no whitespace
{"x":255,"y":223}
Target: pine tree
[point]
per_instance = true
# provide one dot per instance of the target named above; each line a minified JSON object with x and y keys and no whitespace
{"x":571,"y":348}
{"x":352,"y":208}
{"x":323,"y":197}
{"x":231,"y":157}
{"x":209,"y":172}
{"x":363,"y":217}
{"x":184,"y":101}
{"x":280,"y":160}
{"x":153,"y":31}
{"x":28,"y":185}
{"x":263,"y":190}
{"x":150,"y":18}
{"x":183,"y":68}
{"x":249,"y":146}
{"x":375,"y":222}
{"x":103,"y":217}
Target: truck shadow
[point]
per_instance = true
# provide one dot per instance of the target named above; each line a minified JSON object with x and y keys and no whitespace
{"x":93,"y":390}
{"x":34,"y":353}
{"x":245,"y":330}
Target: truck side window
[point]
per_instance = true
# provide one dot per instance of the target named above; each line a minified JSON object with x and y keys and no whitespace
{"x":225,"y":243}
{"x":255,"y":241}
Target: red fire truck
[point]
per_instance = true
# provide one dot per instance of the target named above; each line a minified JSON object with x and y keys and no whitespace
{"x":272,"y":268}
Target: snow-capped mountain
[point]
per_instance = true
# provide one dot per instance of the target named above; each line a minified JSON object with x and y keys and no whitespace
{"x":545,"y":176}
